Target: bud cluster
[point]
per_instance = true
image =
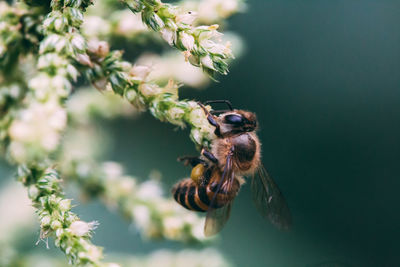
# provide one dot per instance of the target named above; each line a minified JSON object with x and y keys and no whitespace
{"x":56,"y":219}
{"x":201,"y":45}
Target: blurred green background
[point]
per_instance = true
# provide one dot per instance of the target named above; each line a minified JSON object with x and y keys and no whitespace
{"x":324,"y":79}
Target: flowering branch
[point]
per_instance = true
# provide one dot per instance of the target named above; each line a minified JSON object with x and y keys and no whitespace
{"x":197,"y":43}
{"x":141,"y":203}
{"x":43,"y":111}
{"x":71,"y":235}
{"x":131,"y":83}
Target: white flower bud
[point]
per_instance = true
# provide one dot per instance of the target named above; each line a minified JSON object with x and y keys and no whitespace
{"x":59,"y":232}
{"x":112,"y":169}
{"x":149,"y":89}
{"x":58,"y":23}
{"x":195,"y":133}
{"x":159,"y":21}
{"x":94,"y":253}
{"x":140,"y":72}
{"x":60,"y":44}
{"x":72,"y":72}
{"x":176,"y":113}
{"x":81,"y":228}
{"x":187,"y":18}
{"x":141,"y":214}
{"x":168,"y":35}
{"x":207,"y":62}
{"x":187,"y":40}
{"x":45,"y":220}
{"x":65,"y":205}
{"x":78,"y":42}
{"x":55,"y":225}
{"x":84,"y":60}
{"x":131,"y":95}
{"x":149,"y":190}
{"x":33,"y":192}
{"x":173,"y":227}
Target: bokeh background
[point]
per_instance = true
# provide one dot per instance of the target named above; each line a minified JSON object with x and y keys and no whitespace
{"x":324,"y":79}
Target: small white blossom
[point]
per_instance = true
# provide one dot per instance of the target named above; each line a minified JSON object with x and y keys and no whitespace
{"x":65,"y":204}
{"x":112,"y":170}
{"x":187,"y":18}
{"x":94,"y":253}
{"x":131,"y":95}
{"x":207,"y":62}
{"x":149,"y":89}
{"x":168,"y":35}
{"x":55,"y":224}
{"x":176,"y":113}
{"x":81,"y":228}
{"x":159,"y":21}
{"x":149,"y":190}
{"x":187,"y":40}
{"x":141,"y":215}
{"x":173,"y":227}
{"x":140,"y":72}
{"x":45,"y":220}
{"x":78,"y":42}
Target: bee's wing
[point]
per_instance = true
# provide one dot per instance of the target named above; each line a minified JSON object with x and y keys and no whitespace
{"x":217,"y":217}
{"x":269,"y":199}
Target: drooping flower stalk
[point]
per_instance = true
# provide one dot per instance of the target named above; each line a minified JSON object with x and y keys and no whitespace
{"x":57,"y":220}
{"x":201,"y":45}
{"x":130,"y":82}
{"x":36,"y":126}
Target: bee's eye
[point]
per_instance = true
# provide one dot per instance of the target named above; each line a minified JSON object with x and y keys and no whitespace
{"x":234,"y":119}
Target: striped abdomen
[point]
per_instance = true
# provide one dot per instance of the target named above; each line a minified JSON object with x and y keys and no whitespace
{"x":198,"y":197}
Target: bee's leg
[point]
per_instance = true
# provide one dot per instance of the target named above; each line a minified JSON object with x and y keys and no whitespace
{"x":211,"y":120}
{"x":227,"y":102}
{"x":210,"y":156}
{"x":192,"y":160}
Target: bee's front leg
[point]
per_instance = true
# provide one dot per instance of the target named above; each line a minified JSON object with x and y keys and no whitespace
{"x":208,"y":155}
{"x":211,"y":120}
{"x":192,"y":160}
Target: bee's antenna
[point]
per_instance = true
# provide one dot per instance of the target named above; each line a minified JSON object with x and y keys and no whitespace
{"x":227,"y":102}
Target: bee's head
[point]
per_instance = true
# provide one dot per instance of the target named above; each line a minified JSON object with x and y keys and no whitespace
{"x":238,"y":121}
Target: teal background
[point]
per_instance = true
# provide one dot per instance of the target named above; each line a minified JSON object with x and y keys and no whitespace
{"x":323,"y":77}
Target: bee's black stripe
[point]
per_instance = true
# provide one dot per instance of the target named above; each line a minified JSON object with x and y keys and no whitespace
{"x":182,"y":196}
{"x":202,"y":191}
{"x":191,"y":196}
{"x":176,"y":193}
{"x":207,"y":176}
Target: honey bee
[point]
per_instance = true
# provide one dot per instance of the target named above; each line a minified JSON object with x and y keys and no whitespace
{"x":217,"y":175}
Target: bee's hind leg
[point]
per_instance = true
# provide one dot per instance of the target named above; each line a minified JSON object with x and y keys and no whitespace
{"x":192,"y":160}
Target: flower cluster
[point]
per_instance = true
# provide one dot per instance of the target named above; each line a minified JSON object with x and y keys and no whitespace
{"x":130,"y":81}
{"x":154,"y":216}
{"x":19,"y":33}
{"x":35,"y":130}
{"x":56,"y":219}
{"x":35,"y":125}
{"x":200,"y":45}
